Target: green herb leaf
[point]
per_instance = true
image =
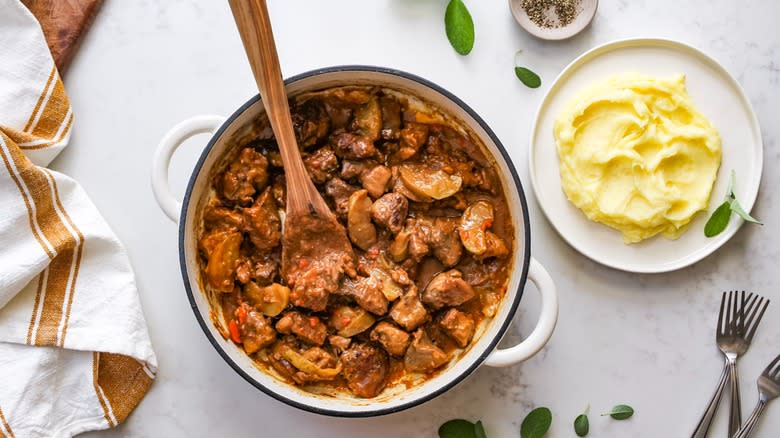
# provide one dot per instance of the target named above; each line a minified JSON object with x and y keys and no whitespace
{"x":536,"y":423}
{"x":457,"y":429}
{"x":737,"y":208}
{"x":581,"y":425}
{"x":527,"y":77}
{"x":620,"y":412}
{"x":459,"y":27}
{"x":479,"y":430}
{"x":719,"y":220}
{"x":721,"y":216}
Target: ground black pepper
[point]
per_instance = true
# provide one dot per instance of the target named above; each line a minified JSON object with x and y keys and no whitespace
{"x":551,"y":13}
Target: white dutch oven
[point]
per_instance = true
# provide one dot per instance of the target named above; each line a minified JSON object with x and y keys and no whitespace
{"x":483,"y":348}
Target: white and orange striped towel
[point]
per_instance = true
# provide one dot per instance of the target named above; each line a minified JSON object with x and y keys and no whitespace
{"x":75,"y":353}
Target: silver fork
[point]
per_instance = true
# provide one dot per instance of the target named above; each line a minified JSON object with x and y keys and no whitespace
{"x":745,"y":326}
{"x":737,"y":324}
{"x":768,"y":389}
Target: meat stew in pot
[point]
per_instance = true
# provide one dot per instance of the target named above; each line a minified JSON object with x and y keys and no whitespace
{"x":429,"y":224}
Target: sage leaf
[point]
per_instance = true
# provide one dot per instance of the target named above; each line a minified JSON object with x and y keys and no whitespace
{"x":719,"y":220}
{"x":457,"y":429}
{"x":721,"y":216}
{"x":479,"y":430}
{"x":459,"y":27}
{"x":581,"y":425}
{"x":536,"y":423}
{"x":527,"y":77}
{"x":620,"y":412}
{"x":737,"y":208}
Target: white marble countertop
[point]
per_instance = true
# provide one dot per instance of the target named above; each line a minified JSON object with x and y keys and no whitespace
{"x":646,"y":340}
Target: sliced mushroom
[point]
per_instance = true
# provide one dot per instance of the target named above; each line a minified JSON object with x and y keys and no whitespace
{"x":270,"y":300}
{"x":426,"y":182}
{"x":400,"y":188}
{"x":349,"y":321}
{"x":474,"y":233}
{"x":368,"y":119}
{"x":361,"y":231}
{"x":399,"y":249}
{"x":477,"y":218}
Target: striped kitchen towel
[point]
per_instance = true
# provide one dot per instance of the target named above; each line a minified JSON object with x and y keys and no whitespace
{"x":75,"y":353}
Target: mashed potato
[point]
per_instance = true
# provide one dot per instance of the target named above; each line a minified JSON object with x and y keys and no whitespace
{"x":636,"y":155}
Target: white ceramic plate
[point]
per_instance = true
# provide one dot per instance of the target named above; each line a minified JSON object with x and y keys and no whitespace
{"x":719,"y":97}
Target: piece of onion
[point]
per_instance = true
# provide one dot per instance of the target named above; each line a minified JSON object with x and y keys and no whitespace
{"x":298,"y":361}
{"x":270,"y":300}
{"x":390,"y":288}
{"x":349,"y":321}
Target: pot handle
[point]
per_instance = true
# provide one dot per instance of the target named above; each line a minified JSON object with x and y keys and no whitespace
{"x":544,"y":327}
{"x":162,"y":159}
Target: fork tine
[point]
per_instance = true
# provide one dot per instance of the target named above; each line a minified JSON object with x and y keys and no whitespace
{"x":751,"y":312}
{"x":747,"y":307}
{"x":730,"y":313}
{"x":739,"y":314}
{"x":720,"y":314}
{"x":727,"y":322}
{"x":753,"y":327}
{"x":767,"y":371}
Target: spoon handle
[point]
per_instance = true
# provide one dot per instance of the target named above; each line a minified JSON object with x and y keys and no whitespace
{"x":254,"y":26}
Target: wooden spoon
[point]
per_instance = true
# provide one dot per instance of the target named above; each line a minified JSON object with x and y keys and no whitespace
{"x":315,"y":247}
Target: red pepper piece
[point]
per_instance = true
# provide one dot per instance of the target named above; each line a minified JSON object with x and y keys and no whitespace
{"x":235,"y":335}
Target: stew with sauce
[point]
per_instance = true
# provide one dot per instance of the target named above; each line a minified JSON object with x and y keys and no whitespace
{"x":428,"y":221}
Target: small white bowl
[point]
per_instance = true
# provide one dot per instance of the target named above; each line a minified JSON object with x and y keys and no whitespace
{"x":584,"y":17}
